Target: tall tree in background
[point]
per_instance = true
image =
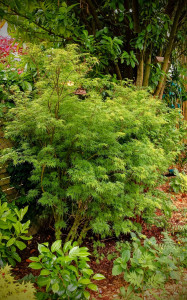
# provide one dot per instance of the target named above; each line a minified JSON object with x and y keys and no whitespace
{"x":126,"y":36}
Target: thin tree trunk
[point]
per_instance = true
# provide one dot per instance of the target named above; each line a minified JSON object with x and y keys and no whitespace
{"x":135,"y":10}
{"x":57,"y":218}
{"x":147,"y":69}
{"x":118,"y":71}
{"x":162,"y":90}
{"x":169,"y":48}
{"x":84,"y":231}
{"x":140,"y":71}
{"x":73,"y":231}
{"x":164,"y":83}
{"x":94,"y":14}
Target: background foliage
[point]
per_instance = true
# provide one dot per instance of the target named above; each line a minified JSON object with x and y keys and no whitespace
{"x":126,"y":37}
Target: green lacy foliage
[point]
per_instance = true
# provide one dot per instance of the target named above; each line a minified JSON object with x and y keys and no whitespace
{"x":66,"y":273}
{"x":12,"y":232}
{"x":96,"y":156}
{"x":150,"y":265}
{"x":179,"y":182}
{"x":12,"y":290}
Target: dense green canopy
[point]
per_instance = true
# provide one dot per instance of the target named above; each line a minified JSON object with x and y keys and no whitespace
{"x":126,"y":36}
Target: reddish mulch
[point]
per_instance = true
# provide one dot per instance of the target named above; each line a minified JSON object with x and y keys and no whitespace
{"x":22,"y":268}
{"x":109,"y":287}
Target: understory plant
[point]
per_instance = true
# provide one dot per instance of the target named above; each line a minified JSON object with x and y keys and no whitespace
{"x":12,"y":233}
{"x":97,"y":149}
{"x":65,"y":271}
{"x":13,"y":290}
{"x":179,"y":182}
{"x":149,"y":265}
{"x":97,"y":251}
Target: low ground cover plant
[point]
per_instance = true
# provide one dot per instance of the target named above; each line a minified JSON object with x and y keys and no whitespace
{"x":65,"y":271}
{"x":12,"y":233}
{"x":96,"y":158}
{"x":179,"y":182}
{"x":97,"y":251}
{"x":149,"y":265}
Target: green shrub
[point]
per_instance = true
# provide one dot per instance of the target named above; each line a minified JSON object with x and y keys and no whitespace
{"x":179,"y":182}
{"x":11,"y":289}
{"x":96,"y":159}
{"x":67,"y":272}
{"x":12,"y":232}
{"x":150,"y":265}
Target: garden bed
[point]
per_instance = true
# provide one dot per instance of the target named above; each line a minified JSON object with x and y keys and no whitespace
{"x":109,"y":288}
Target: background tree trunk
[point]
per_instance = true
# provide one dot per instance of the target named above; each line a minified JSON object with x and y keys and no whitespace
{"x":140,"y":71}
{"x":118,"y":72}
{"x":169,"y":48}
{"x":147,"y":70}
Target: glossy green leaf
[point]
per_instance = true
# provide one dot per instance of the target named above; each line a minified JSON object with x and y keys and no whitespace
{"x":56,"y":245}
{"x":11,"y":242}
{"x":84,"y":281}
{"x":20,"y":245}
{"x":87,"y":271}
{"x":55,"y":287}
{"x":74,"y":251}
{"x":43,"y":281}
{"x":98,"y":277}
{"x":34,"y":258}
{"x":86,"y":294}
{"x":93,"y":287}
{"x":71,"y":287}
{"x":42,"y":248}
{"x":35,"y":265}
{"x":16,"y":256}
{"x":45,"y":272}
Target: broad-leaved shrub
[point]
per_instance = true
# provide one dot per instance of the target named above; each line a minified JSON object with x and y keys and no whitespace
{"x":65,"y":271}
{"x":12,"y":233}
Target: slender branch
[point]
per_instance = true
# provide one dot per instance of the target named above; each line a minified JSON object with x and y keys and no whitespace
{"x":34,"y":22}
{"x":43,"y":169}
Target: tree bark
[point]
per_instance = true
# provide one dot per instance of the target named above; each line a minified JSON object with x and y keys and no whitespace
{"x":118,"y":71}
{"x":164,"y":83}
{"x":135,"y":16}
{"x":169,"y":48}
{"x":147,"y":69}
{"x":140,"y":71}
{"x":94,"y":14}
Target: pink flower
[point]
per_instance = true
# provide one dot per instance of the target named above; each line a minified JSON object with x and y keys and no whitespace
{"x":20,"y":71}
